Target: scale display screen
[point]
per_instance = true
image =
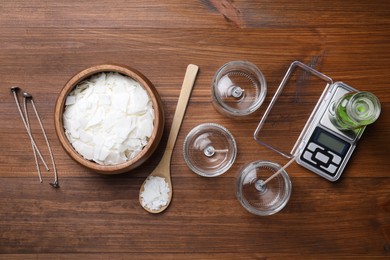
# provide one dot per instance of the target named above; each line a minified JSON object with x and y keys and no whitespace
{"x":331,"y":142}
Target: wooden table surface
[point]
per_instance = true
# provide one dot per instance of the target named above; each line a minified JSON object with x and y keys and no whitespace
{"x":44,"y":43}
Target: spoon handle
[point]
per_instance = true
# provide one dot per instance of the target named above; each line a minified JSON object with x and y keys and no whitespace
{"x":188,"y":83}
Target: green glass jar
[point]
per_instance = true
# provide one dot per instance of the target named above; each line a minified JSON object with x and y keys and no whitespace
{"x":355,"y":110}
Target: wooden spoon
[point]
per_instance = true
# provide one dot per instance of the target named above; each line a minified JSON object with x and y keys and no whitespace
{"x":163,"y":169}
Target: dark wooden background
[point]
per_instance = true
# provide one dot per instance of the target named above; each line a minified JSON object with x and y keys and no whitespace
{"x":44,"y":43}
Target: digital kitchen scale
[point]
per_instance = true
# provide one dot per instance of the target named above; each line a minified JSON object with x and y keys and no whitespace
{"x":298,"y":117}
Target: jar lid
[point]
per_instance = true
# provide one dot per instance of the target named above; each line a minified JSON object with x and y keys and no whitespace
{"x":209,"y":150}
{"x":238,"y":88}
{"x":257,"y":197}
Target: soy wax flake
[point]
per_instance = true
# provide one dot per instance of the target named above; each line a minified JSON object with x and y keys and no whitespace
{"x":108,"y":118}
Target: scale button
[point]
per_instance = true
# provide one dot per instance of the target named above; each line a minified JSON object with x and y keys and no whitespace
{"x":336,"y":159}
{"x":307,"y":155}
{"x":312,"y":147}
{"x":322,"y":157}
{"x":331,"y":169}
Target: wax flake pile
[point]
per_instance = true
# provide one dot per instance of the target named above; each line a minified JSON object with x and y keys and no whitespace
{"x":155,"y":194}
{"x":108,"y":118}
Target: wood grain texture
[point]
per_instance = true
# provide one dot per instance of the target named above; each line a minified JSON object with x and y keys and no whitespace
{"x":44,"y":43}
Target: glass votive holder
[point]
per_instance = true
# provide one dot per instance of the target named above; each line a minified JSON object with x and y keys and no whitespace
{"x":258,"y":197}
{"x":238,"y":89}
{"x":209,"y":150}
{"x":355,"y":110}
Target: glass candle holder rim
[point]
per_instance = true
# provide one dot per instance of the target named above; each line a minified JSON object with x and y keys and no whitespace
{"x":246,"y":169}
{"x":262,"y":90}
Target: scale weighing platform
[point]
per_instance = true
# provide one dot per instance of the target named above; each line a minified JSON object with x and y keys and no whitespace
{"x":298,"y":117}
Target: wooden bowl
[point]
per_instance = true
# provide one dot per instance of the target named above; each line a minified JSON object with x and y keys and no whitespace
{"x":158,"y":119}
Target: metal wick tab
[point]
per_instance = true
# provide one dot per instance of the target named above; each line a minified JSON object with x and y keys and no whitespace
{"x":209,"y":151}
{"x":25,"y":118}
{"x":260,"y":186}
{"x":237,"y":92}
